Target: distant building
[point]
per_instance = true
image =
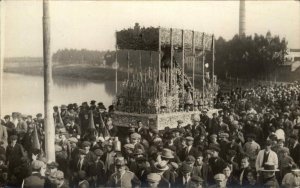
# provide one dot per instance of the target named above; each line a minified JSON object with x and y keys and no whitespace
{"x":293,"y":55}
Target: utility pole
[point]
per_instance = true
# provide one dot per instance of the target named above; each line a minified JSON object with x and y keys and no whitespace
{"x":49,"y":122}
{"x":2,"y":39}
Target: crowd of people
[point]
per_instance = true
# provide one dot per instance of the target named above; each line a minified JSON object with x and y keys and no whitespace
{"x":252,"y":141}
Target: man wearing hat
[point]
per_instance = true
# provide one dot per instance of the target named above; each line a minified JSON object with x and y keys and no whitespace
{"x":15,"y":154}
{"x":35,"y":179}
{"x":195,"y":182}
{"x":3,"y":135}
{"x":266,"y":155}
{"x":81,"y":164}
{"x":179,"y":124}
{"x":60,"y":180}
{"x":73,"y":128}
{"x":220,"y":181}
{"x":122,"y":177}
{"x":153,"y":180}
{"x":215,"y":162}
{"x":161,"y":168}
{"x":268,"y":173}
{"x":295,"y":149}
{"x":184,"y":175}
{"x":189,"y":149}
{"x":251,"y":148}
{"x":135,"y":139}
{"x":97,"y":171}
{"x":292,"y":179}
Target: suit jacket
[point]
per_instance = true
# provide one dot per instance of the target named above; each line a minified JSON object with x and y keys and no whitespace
{"x":244,"y":179}
{"x":35,"y":180}
{"x":193,"y":151}
{"x":271,"y":159}
{"x":295,"y":154}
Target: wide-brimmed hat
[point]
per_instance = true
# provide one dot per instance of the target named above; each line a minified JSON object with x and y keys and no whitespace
{"x":161,"y":166}
{"x":167,"y":153}
{"x":269,"y":167}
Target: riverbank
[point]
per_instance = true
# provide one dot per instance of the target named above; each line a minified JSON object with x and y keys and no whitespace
{"x":88,"y":72}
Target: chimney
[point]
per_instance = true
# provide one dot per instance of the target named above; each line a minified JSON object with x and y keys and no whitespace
{"x":242,"y":20}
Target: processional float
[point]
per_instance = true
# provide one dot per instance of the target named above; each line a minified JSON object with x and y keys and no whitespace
{"x":168,"y":76}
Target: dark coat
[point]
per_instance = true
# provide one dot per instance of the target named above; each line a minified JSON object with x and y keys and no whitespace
{"x":35,"y":180}
{"x":295,"y":154}
{"x":193,"y":151}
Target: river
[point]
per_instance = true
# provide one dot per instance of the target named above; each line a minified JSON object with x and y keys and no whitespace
{"x":25,"y":94}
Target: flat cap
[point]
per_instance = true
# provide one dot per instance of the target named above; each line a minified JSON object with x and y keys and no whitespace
{"x":73,"y":140}
{"x":179,"y":121}
{"x":153,"y":177}
{"x":129,"y":146}
{"x":219,"y":177}
{"x":86,"y":144}
{"x":98,"y":152}
{"x":36,"y":164}
{"x":189,"y":138}
{"x":135,"y":136}
{"x":185,"y":168}
{"x":215,"y":148}
{"x":197,"y":179}
{"x":59,"y":174}
{"x":190,"y":159}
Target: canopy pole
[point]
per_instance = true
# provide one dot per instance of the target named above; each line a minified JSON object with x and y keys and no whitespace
{"x":49,"y":122}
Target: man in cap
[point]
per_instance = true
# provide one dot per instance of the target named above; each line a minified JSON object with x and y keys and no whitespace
{"x":35,"y":179}
{"x":162,"y":169}
{"x":73,"y":128}
{"x":97,"y":170}
{"x":184,"y":175}
{"x":153,"y":180}
{"x":81,"y":164}
{"x":295,"y":149}
{"x":266,"y":155}
{"x":15,"y":154}
{"x":292,"y":179}
{"x":195,"y":182}
{"x":60,"y":180}
{"x":123,"y":177}
{"x":189,"y":149}
{"x":220,"y":181}
{"x":10,"y":127}
{"x":3,"y":135}
{"x":179,"y":124}
{"x":242,"y":173}
{"x":202,"y":169}
{"x":251,"y":148}
{"x":135,"y":139}
{"x":215,"y":162}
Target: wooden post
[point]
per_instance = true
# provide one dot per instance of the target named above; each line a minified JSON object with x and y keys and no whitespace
{"x":203,"y":60}
{"x":2,"y":39}
{"x":171,"y":60}
{"x":116,"y":64}
{"x":49,"y":122}
{"x":183,"y":59}
{"x":194,"y":58}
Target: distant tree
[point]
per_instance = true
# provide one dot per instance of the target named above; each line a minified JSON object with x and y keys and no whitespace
{"x":247,"y":57}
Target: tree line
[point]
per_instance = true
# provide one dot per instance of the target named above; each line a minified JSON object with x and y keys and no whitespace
{"x":249,"y":57}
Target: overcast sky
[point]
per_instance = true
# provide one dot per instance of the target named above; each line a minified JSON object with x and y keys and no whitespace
{"x":91,"y":24}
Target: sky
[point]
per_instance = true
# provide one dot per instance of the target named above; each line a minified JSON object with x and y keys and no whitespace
{"x":92,"y":24}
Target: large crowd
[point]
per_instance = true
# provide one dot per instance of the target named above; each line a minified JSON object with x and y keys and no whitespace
{"x":251,"y":141}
